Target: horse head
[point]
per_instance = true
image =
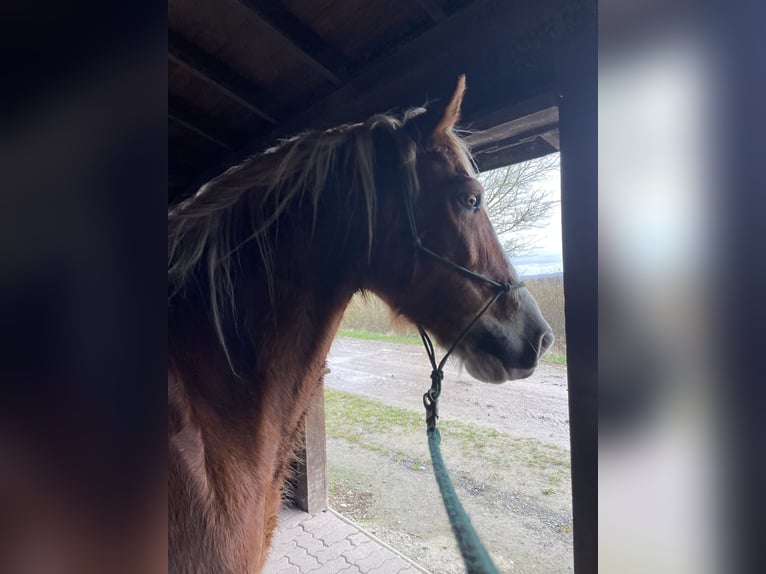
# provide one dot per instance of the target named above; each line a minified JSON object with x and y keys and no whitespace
{"x":448,"y":219}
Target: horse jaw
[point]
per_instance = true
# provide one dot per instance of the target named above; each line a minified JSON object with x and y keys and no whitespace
{"x":489,"y":369}
{"x":496,"y":351}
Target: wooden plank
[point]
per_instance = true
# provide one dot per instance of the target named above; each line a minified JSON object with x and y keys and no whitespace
{"x":310,"y":479}
{"x":211,"y":70}
{"x":314,"y":50}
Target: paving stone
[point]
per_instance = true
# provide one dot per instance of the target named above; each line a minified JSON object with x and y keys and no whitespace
{"x":321,"y":521}
{"x":332,"y":567}
{"x":394,"y":565}
{"x":311,"y":544}
{"x":326,"y":544}
{"x":303,"y":560}
{"x":290,"y":533}
{"x":358,"y":538}
{"x":277,"y":566}
{"x":289,"y":517}
{"x":360,"y":552}
{"x":338,"y":532}
{"x":374,"y":559}
{"x":333,"y":551}
{"x":281,"y":547}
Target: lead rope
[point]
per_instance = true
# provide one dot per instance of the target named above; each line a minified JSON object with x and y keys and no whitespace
{"x":475,"y":556}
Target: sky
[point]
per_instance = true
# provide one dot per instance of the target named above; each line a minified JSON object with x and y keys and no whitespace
{"x":546,"y":257}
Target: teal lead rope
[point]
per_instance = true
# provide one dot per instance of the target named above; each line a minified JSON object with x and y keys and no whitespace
{"x":475,"y":556}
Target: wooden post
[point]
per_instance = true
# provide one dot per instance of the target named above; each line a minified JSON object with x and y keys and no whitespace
{"x":310,"y":479}
{"x":578,"y":129}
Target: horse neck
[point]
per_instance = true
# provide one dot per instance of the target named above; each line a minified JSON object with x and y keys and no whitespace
{"x":254,"y":419}
{"x":231,"y":438}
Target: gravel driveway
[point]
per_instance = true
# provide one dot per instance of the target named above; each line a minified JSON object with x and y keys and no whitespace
{"x":398,"y":374}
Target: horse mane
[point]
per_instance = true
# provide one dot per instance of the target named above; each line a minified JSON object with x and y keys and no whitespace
{"x":205,"y":235}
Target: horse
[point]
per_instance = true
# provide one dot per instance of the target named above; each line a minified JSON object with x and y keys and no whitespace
{"x":262,"y":263}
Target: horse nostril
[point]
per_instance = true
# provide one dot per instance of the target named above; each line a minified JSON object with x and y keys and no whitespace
{"x":545,"y":343}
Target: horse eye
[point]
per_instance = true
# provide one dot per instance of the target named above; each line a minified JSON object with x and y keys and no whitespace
{"x":471,"y":201}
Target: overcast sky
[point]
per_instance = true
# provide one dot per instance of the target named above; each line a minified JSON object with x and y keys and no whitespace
{"x":546,"y":256}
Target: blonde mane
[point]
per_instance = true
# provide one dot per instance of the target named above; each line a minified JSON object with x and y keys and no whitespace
{"x":203,"y":235}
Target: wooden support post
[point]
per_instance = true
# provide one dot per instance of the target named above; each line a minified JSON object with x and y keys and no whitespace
{"x":578,"y":129}
{"x":310,"y":479}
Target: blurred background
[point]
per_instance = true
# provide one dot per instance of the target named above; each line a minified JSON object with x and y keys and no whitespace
{"x":678,"y":448}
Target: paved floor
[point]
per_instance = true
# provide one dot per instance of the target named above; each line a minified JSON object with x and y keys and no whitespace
{"x":328,"y":544}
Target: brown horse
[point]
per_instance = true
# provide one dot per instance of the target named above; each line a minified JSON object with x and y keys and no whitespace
{"x":262,"y":263}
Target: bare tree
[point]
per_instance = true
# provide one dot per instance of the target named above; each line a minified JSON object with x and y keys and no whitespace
{"x":515,"y":203}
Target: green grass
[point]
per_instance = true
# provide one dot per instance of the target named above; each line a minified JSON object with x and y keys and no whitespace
{"x":558,"y":358}
{"x":358,"y":334}
{"x":377,"y":427}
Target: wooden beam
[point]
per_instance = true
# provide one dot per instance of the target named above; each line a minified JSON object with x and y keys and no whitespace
{"x":180,"y":113}
{"x":314,"y":50}
{"x":531,"y":124}
{"x":434,"y":11}
{"x":509,"y":155}
{"x":211,"y":70}
{"x":310,"y":477}
{"x":552,"y":138}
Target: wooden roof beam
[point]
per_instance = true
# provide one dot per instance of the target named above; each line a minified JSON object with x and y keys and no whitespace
{"x":508,"y":155}
{"x":532,"y":124}
{"x":212,"y":71}
{"x":552,"y":138}
{"x":314,"y":50}
{"x":179,"y":113}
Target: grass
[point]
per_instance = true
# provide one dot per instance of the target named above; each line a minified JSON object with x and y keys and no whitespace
{"x":359,"y":334}
{"x":384,"y":429}
{"x":558,"y":358}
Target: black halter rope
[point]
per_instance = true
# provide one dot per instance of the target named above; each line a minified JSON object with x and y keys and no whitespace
{"x":475,"y":556}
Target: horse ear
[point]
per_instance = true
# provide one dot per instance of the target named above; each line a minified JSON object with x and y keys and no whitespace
{"x":427,"y":126}
{"x":451,"y":113}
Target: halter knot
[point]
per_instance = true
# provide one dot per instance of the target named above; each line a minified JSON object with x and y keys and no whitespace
{"x":431,"y":398}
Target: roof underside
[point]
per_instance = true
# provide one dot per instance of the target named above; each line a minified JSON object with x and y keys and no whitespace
{"x":242,"y":73}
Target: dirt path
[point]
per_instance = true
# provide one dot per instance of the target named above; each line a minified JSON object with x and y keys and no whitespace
{"x":398,"y":374}
{"x":515,"y":488}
